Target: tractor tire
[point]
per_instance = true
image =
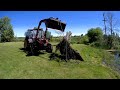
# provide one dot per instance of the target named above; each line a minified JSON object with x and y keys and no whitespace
{"x":49,"y":48}
{"x":34,"y":49}
{"x":25,"y":44}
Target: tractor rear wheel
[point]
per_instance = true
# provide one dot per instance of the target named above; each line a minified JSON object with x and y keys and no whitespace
{"x":25,"y":44}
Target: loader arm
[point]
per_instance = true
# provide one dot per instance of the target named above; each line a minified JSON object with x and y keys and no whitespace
{"x":39,"y":26}
{"x":52,"y":23}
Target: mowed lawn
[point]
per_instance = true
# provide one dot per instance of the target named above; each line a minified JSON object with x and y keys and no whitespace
{"x":14,"y":64}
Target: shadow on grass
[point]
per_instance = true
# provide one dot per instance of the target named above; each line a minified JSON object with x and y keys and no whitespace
{"x":22,"y":49}
{"x":52,"y":56}
{"x":28,"y":53}
{"x":57,"y":57}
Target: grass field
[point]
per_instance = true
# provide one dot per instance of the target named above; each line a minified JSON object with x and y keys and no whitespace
{"x":14,"y":64}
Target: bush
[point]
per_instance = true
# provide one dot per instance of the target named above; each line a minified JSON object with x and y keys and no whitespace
{"x":96,"y":44}
{"x":94,"y":34}
{"x":84,"y":40}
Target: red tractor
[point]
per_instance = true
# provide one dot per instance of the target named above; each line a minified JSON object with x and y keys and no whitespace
{"x":38,"y":39}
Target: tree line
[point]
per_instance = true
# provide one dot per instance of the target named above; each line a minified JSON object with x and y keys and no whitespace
{"x":96,"y":38}
{"x":6,"y":30}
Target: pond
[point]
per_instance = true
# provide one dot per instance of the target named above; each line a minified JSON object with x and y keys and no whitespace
{"x":117,"y":60}
{"x":114,"y":62}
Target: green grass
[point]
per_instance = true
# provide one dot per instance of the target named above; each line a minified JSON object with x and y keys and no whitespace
{"x":15,"y":65}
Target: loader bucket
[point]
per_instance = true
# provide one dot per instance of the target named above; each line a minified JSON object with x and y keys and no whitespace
{"x":55,"y":24}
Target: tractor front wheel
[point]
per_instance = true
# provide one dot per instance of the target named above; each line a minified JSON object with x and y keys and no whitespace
{"x":49,"y":48}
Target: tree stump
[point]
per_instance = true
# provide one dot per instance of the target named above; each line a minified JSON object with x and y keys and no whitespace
{"x":67,"y":52}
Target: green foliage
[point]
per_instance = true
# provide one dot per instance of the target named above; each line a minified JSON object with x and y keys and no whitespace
{"x":108,"y":42}
{"x":112,"y":41}
{"x":115,"y":41}
{"x":48,"y":35}
{"x":95,"y":34}
{"x":83,"y":39}
{"x":19,"y":39}
{"x":55,"y":39}
{"x":6,"y":30}
{"x":75,"y":39}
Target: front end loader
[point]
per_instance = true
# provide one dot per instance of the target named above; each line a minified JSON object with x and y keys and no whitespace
{"x":38,"y":39}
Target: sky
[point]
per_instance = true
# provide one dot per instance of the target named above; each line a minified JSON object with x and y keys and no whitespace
{"x":78,"y":22}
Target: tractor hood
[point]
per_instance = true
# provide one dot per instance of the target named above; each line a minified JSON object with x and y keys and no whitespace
{"x":54,"y":23}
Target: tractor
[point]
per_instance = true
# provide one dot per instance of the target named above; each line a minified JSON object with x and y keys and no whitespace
{"x":38,"y":39}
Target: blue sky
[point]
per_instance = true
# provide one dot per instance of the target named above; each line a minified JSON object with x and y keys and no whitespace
{"x":78,"y":22}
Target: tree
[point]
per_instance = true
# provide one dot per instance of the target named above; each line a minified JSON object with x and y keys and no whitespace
{"x":110,"y":23}
{"x":104,"y":21}
{"x":94,"y":34}
{"x":109,"y":20}
{"x":6,"y":30}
